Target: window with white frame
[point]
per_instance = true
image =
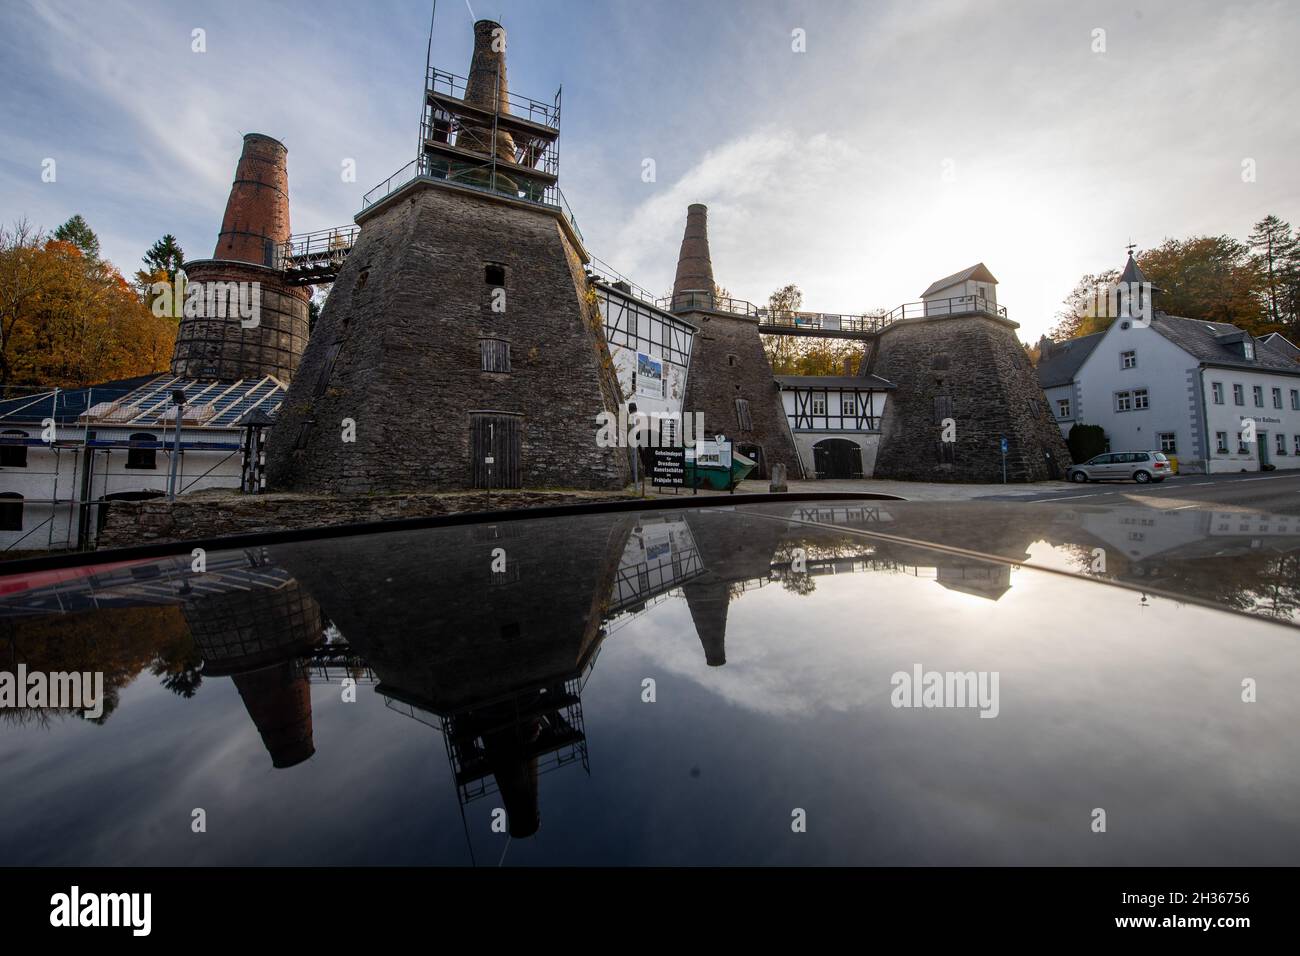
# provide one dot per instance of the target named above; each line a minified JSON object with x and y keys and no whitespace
{"x":1257,"y":393}
{"x":1062,"y":408}
{"x":1242,"y":448}
{"x":1238,"y":395}
{"x":819,"y":406}
{"x":1169,"y":443}
{"x":1128,"y":359}
{"x":1297,"y":444}
{"x":1295,"y":399}
{"x":1221,"y":438}
{"x":848,"y":406}
{"x":1216,"y":388}
{"x":1277,"y":398}
{"x":1280,"y":443}
{"x":1123,"y":401}
{"x":1141,"y":399}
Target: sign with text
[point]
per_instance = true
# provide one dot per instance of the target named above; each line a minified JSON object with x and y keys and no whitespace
{"x":668,"y":467}
{"x":713,"y":454}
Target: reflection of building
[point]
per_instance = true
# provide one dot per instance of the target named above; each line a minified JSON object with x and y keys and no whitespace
{"x":257,"y":638}
{"x":493,"y":650}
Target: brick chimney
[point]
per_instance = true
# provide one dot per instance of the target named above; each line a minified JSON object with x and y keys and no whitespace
{"x":486,"y":88}
{"x":256,"y":222}
{"x":257,"y":212}
{"x":694,"y":267}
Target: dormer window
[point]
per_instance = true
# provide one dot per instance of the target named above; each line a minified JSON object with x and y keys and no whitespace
{"x":1248,"y":350}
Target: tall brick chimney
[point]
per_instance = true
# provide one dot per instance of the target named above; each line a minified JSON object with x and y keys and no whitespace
{"x":257,"y":212}
{"x":486,"y":89}
{"x":694,"y":267}
{"x":256,"y":223}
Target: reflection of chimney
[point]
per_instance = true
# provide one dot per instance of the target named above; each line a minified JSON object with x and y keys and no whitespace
{"x":516,"y":775}
{"x":278,"y":698}
{"x":257,"y":212}
{"x":694,"y":267}
{"x":486,"y":89}
{"x":708,"y":604}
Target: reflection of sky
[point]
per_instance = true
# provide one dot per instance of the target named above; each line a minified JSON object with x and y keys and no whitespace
{"x":1102,"y":705}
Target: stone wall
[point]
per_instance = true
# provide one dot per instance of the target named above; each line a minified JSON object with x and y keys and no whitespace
{"x":397,"y":350}
{"x":727,"y":363}
{"x":978,"y":363}
{"x":216,"y":513}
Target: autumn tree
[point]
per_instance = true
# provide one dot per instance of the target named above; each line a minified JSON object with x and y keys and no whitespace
{"x":1080,"y":315}
{"x":69,"y":320}
{"x":1211,"y":278}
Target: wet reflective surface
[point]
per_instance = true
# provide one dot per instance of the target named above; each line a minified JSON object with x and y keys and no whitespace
{"x":502,"y":673}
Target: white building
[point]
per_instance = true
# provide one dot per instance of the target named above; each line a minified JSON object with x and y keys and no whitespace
{"x":650,"y":348}
{"x":65,"y":454}
{"x":960,"y":291}
{"x":835,"y":421}
{"x":1195,"y":390}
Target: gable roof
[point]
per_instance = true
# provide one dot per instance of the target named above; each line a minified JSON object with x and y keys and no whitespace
{"x":859,"y":381}
{"x":1208,"y":342}
{"x":979,"y":271}
{"x":1282,"y":345}
{"x":1065,"y":359}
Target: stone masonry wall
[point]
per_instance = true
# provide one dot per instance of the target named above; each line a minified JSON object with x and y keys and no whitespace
{"x":397,"y":350}
{"x":727,"y":363}
{"x":216,"y":513}
{"x":979,"y":363}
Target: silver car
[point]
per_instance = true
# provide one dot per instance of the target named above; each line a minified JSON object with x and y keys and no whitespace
{"x":1139,"y":466}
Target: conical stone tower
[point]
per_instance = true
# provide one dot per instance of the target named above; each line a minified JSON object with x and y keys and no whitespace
{"x":964,"y":365}
{"x":731,"y":379}
{"x":459,"y":347}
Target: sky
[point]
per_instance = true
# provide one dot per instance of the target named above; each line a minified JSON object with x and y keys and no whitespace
{"x":903,"y":142}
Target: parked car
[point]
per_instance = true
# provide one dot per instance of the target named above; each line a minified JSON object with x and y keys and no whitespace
{"x":1139,"y":466}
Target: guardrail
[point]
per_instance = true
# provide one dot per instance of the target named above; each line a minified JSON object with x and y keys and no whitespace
{"x":422,"y":169}
{"x":684,"y":301}
{"x":521,"y":107}
{"x":957,"y":305}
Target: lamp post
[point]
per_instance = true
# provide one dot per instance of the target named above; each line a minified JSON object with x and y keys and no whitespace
{"x":178,"y":398}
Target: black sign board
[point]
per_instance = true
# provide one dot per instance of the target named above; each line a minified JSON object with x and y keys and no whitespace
{"x":668,"y":467}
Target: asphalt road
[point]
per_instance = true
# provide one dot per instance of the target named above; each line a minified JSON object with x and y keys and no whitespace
{"x":1275,"y":493}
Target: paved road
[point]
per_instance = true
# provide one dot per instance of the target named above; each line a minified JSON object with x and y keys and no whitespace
{"x":1277,"y":493}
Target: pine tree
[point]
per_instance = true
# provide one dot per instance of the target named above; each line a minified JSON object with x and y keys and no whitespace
{"x":165,"y":255}
{"x":1276,"y":256}
{"x":78,"y":232}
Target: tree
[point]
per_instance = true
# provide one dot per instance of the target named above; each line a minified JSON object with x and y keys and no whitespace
{"x":1086,"y":441}
{"x":1276,"y":257}
{"x":1081,"y":315}
{"x":67,"y":320}
{"x":165,"y":255}
{"x":782,"y":350}
{"x":23,"y":276}
{"x":78,"y":232}
{"x":1211,"y":278}
{"x":161,"y":263}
